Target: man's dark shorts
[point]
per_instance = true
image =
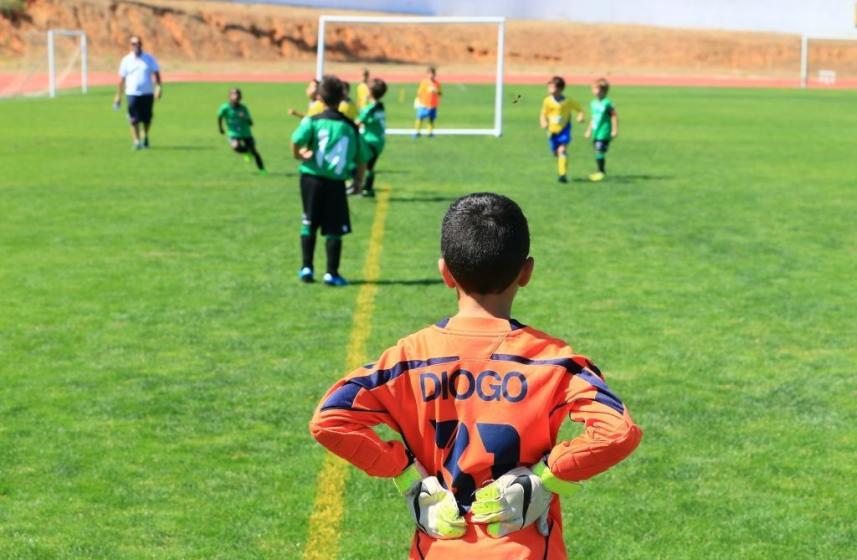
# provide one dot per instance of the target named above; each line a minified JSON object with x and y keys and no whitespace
{"x":325,"y":205}
{"x":140,"y":108}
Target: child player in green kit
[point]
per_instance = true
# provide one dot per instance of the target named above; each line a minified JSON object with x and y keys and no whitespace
{"x":373,"y":123}
{"x":238,"y":123}
{"x":603,"y":126}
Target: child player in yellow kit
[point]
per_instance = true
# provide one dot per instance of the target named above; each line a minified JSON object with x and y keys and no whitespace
{"x":556,"y":118}
{"x":478,"y":400}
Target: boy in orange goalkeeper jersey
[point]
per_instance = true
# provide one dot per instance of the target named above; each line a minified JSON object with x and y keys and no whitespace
{"x":479,"y":399}
{"x":427,"y":102}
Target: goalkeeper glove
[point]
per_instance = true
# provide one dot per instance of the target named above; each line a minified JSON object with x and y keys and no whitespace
{"x":432,"y":506}
{"x":518,"y":499}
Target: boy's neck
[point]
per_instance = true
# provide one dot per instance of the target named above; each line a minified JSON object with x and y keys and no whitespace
{"x":496,"y":306}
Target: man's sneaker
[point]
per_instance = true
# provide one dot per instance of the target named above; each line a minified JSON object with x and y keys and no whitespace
{"x":306,"y":275}
{"x":146,"y":142}
{"x":597,"y":176}
{"x":334,"y":280}
{"x":137,"y":146}
{"x":263,"y":172}
{"x":563,"y":179}
{"x":368,"y":193}
{"x":416,"y":135}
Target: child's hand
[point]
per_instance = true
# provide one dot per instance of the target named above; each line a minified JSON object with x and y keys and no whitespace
{"x":587,"y":134}
{"x":292,"y":112}
{"x":305,"y":153}
{"x":614,"y":133}
{"x":580,"y":117}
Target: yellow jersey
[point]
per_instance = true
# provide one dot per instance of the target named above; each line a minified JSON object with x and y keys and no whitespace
{"x":558,"y":112}
{"x":315,"y":107}
{"x":347,"y":108}
{"x":364,"y":97}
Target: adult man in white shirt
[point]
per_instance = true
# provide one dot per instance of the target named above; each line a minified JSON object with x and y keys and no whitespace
{"x":136,"y":72}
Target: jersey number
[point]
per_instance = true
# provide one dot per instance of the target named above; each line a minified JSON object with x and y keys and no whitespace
{"x":501,"y":440}
{"x":336,"y":157}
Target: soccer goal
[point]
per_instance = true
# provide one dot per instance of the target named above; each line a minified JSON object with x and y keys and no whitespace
{"x":69,"y":61}
{"x":393,"y":24}
{"x":828,"y":61}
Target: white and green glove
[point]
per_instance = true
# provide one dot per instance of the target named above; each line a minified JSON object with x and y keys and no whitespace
{"x":432,"y":506}
{"x":518,"y":499}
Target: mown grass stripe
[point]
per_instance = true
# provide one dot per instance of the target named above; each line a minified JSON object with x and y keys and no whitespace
{"x":323,"y":531}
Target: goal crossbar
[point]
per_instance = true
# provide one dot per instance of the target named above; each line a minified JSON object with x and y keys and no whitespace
{"x":804,"y":51}
{"x":402,"y":20}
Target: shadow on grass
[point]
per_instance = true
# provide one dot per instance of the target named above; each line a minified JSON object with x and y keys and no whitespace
{"x":627,"y":179}
{"x":436,"y":198}
{"x":182,"y":148}
{"x":420,"y":282}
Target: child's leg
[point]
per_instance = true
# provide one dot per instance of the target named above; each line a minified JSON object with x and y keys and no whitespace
{"x":370,"y":172}
{"x":562,"y":159}
{"x":432,"y":117}
{"x":250,"y":146}
{"x":418,"y":125}
{"x":308,"y":228}
{"x":259,"y":163}
{"x":601,"y":155}
{"x":333,"y":245}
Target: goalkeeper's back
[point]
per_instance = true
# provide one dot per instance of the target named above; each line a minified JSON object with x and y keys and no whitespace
{"x":473,"y":397}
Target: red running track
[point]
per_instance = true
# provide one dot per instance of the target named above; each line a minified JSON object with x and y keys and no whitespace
{"x":15,"y":84}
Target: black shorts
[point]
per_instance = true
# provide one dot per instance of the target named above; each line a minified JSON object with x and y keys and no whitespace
{"x":601,"y":146}
{"x":246,"y":141}
{"x":140,"y":108}
{"x":325,"y":205}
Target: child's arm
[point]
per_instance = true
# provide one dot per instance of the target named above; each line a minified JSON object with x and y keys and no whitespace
{"x":609,"y":436}
{"x":576,"y":108}
{"x":296,"y":113}
{"x":588,"y":132}
{"x":220,"y":123}
{"x":302,"y":153}
{"x":343,"y":424}
{"x":614,"y":123}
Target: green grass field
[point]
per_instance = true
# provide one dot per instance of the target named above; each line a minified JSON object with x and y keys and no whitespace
{"x":159,"y":360}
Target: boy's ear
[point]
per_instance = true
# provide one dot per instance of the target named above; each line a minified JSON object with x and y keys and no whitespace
{"x":445,"y":273}
{"x":526,"y":272}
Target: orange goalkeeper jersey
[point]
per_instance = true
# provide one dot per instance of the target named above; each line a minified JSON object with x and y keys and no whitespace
{"x":473,"y":398}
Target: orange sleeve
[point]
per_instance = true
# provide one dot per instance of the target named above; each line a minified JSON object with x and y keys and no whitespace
{"x":609,"y":435}
{"x":344,"y":419}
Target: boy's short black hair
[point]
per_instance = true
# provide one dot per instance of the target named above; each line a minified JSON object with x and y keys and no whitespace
{"x":485,"y":241}
{"x":346,"y":88}
{"x":330,"y":91}
{"x":558,"y":82}
{"x":377,"y":87}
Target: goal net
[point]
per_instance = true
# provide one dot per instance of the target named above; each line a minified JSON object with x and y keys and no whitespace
{"x":51,"y":61}
{"x":466,"y":51}
{"x":829,"y":61}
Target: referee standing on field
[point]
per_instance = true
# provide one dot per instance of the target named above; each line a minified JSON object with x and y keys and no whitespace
{"x":136,"y":72}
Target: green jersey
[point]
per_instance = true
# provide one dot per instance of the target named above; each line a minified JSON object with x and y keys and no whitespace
{"x":602,"y":110}
{"x":374,"y":123}
{"x":335,"y":143}
{"x":238,"y":121}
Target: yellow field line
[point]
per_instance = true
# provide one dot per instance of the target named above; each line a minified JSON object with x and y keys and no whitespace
{"x":323,"y":531}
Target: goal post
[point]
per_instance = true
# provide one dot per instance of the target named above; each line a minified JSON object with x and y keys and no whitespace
{"x":826,"y":76}
{"x":500,"y":22}
{"x":52,"y":58}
